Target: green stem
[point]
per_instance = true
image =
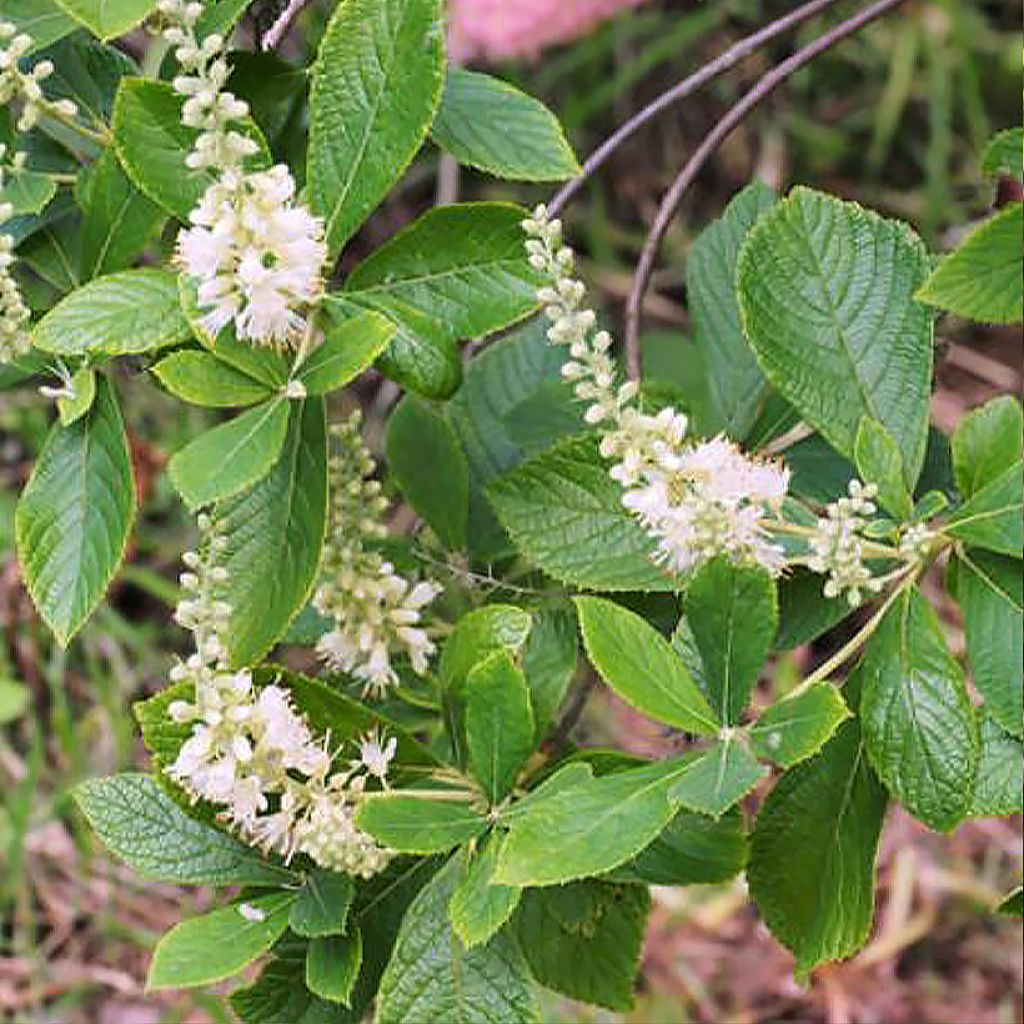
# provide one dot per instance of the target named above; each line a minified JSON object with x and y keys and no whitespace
{"x":101,"y":138}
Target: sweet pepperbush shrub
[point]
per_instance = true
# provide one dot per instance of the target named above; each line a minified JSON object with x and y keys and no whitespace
{"x":411,"y":833}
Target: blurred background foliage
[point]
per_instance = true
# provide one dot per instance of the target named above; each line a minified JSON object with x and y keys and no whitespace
{"x":895,"y":118}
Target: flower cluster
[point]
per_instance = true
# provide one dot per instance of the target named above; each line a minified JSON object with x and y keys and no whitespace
{"x":26,"y":86}
{"x":253,"y":754}
{"x":696,"y":500}
{"x":837,"y":546}
{"x":256,"y":255}
{"x":14,"y":314}
{"x":376,"y":611}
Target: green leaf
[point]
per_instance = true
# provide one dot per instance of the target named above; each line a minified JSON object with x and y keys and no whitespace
{"x":375,"y":88}
{"x":479,"y":633}
{"x":638,"y":663}
{"x":108,"y":19}
{"x":412,"y":824}
{"x":426,"y":459}
{"x":550,"y":659}
{"x":83,"y":394}
{"x":332,"y":966}
{"x":27,"y":192}
{"x":280,"y":996}
{"x":812,"y":860}
{"x":991,"y":518}
{"x":118,"y":221}
{"x":131,"y":311}
{"x":732,"y":613}
{"x":432,"y":979}
{"x":736,"y":385}
{"x":347,"y":350}
{"x":479,"y":907}
{"x":600,"y":824}
{"x":999,"y":788}
{"x":990,"y":592}
{"x":15,"y":698}
{"x":231,"y":456}
{"x":75,"y":514}
{"x":565,"y":516}
{"x":87,"y":72}
{"x":1002,"y":156}
{"x":1013,"y":905}
{"x":595,"y":960}
{"x":985,"y":442}
{"x":490,"y":125}
{"x":804,"y":612}
{"x":275,"y":533}
{"x":692,"y":849}
{"x":152,"y":144}
{"x":322,"y":905}
{"x":982,"y":277}
{"x":463,"y":265}
{"x":919,"y":726}
{"x":879,"y":462}
{"x":202,"y":379}
{"x":138,"y":822}
{"x":43,"y":20}
{"x":827,"y":294}
{"x":202,"y":950}
{"x":163,"y":736}
{"x":798,"y":726}
{"x":718,"y":779}
{"x":499,"y":723}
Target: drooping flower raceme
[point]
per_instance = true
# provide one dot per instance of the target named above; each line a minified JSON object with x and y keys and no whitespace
{"x":696,"y":500}
{"x":377,"y":612}
{"x":14,"y":314}
{"x":256,"y":255}
{"x":251,"y":753}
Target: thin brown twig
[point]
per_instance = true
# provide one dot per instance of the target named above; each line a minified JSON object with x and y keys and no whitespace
{"x":722,"y":63}
{"x":766,"y":85}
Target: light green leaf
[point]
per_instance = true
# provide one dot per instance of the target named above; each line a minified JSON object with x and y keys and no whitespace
{"x":736,"y":385}
{"x":43,"y":20}
{"x":479,"y":907}
{"x":477,"y":634}
{"x":427,"y":461}
{"x":999,"y":788}
{"x":463,"y":265}
{"x":275,"y":533}
{"x":990,"y":592}
{"x":108,"y":19}
{"x":638,"y":663}
{"x":491,"y":125}
{"x":985,"y":442}
{"x":75,"y":514}
{"x":1002,"y":155}
{"x":14,"y":700}
{"x":332,"y":966}
{"x":879,"y":462}
{"x":152,"y":144}
{"x":595,"y":960}
{"x":202,"y":950}
{"x":375,"y":88}
{"x":991,"y":517}
{"x":138,"y":822}
{"x":732,"y":613}
{"x":499,"y":723}
{"x":131,"y":311}
{"x":347,"y":350}
{"x":827,"y":295}
{"x":693,"y":849}
{"x":432,"y":979}
{"x":919,"y":726}
{"x":812,"y":860}
{"x":231,"y":456}
{"x":718,"y":779}
{"x":982,"y":277}
{"x":203,"y":379}
{"x":550,"y":659}
{"x":27,"y":192}
{"x":565,"y":516}
{"x":798,"y":726}
{"x":322,"y":905}
{"x":601,"y":823}
{"x":118,"y":221}
{"x":412,"y":824}
{"x":83,"y":394}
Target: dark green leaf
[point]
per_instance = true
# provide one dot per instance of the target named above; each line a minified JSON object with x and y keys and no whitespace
{"x":1013,"y":905}
{"x":322,"y":905}
{"x":999,"y":788}
{"x":798,"y":726}
{"x":493,"y":627}
{"x":879,"y":462}
{"x":411,"y":824}
{"x":332,"y":966}
{"x":804,"y":612}
{"x":549,"y":662}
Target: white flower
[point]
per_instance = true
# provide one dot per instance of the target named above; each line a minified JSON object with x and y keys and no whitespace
{"x":376,"y":755}
{"x":251,"y":913}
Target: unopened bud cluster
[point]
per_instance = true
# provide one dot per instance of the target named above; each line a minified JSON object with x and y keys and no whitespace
{"x":255,"y":255}
{"x":25,"y":87}
{"x":377,"y":612}
{"x":696,"y":500}
{"x":14,"y":314}
{"x":252,"y":754}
